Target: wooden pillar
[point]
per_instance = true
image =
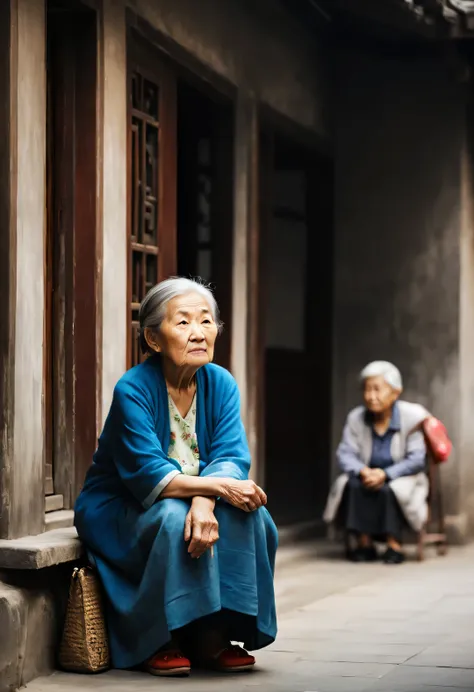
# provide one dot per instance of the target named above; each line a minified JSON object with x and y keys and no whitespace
{"x":264,"y":208}
{"x":7,"y":271}
{"x":22,"y":211}
{"x":114,"y":218}
{"x":246,"y":344}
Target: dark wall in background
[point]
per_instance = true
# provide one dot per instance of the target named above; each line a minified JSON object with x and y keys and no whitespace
{"x":400,"y":137}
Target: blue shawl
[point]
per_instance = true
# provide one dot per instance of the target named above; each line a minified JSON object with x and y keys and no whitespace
{"x":133,"y":447}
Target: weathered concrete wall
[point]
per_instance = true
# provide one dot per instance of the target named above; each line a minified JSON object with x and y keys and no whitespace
{"x":255,"y":45}
{"x":32,"y":607}
{"x":400,"y":138}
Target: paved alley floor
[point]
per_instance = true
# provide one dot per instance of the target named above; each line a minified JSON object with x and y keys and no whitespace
{"x":344,"y":627}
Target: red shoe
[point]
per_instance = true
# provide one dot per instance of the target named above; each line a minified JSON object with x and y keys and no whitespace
{"x":171,"y":662}
{"x":233,"y":659}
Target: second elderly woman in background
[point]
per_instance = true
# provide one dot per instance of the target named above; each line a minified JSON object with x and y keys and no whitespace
{"x":382,"y":456}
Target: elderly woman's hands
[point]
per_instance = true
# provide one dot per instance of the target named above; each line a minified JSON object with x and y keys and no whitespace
{"x":201,"y":527}
{"x":245,"y":495}
{"x":373,"y":479}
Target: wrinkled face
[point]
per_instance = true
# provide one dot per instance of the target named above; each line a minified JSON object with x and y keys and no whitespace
{"x":379,"y":396}
{"x":188,"y":332}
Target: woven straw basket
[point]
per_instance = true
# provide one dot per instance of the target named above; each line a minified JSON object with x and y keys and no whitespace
{"x":84,"y":645}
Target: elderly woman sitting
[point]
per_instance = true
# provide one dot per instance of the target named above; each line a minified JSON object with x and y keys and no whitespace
{"x":170,"y":478}
{"x":382,"y":455}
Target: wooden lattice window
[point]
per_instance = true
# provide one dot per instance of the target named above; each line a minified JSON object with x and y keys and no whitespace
{"x":152,"y":182}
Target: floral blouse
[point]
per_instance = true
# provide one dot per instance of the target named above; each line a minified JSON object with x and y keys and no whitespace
{"x":183,"y":441}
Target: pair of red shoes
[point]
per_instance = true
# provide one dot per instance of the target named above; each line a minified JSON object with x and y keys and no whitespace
{"x":232,"y":659}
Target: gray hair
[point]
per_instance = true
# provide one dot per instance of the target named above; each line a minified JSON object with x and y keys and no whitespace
{"x":382,"y":368}
{"x":153,"y":306}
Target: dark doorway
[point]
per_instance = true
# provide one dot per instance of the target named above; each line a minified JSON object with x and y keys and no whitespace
{"x":297,"y":243}
{"x":205,"y":194}
{"x":71,"y":344}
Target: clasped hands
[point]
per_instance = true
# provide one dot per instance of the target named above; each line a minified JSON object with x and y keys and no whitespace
{"x":201,"y":528}
{"x":372,"y":479}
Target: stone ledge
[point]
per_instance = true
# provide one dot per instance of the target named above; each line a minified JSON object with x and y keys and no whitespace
{"x":60,"y":519}
{"x":36,"y":552}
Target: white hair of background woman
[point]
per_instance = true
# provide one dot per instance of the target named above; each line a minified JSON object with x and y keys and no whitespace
{"x":382,"y":368}
{"x":153,"y":306}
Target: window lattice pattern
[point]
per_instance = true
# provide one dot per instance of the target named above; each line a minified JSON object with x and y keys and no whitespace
{"x":144,"y":249}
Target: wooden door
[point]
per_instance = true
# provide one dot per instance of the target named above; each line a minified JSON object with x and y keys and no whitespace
{"x":71,"y":252}
{"x":298,"y":357}
{"x":152,"y":252}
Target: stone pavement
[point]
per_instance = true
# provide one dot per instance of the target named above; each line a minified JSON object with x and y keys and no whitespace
{"x":343,"y":627}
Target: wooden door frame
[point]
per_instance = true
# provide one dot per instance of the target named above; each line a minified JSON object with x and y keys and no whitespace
{"x":74,"y":230}
{"x":145,"y":57}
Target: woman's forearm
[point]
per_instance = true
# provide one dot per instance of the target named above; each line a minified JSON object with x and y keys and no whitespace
{"x":191,"y":486}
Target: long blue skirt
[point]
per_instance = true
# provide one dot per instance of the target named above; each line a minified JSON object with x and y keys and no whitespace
{"x":153,"y":586}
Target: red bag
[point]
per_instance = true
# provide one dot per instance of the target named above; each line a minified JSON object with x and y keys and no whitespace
{"x":437,"y":441}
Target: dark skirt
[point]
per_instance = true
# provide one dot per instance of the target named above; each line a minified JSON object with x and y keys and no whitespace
{"x":373,"y":512}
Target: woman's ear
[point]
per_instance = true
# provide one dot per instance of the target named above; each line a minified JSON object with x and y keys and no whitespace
{"x":152,"y":341}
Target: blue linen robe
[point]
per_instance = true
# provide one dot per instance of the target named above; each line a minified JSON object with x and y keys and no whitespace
{"x":136,"y":540}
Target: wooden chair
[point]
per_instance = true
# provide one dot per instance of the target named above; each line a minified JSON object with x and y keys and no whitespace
{"x":436,"y":520}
